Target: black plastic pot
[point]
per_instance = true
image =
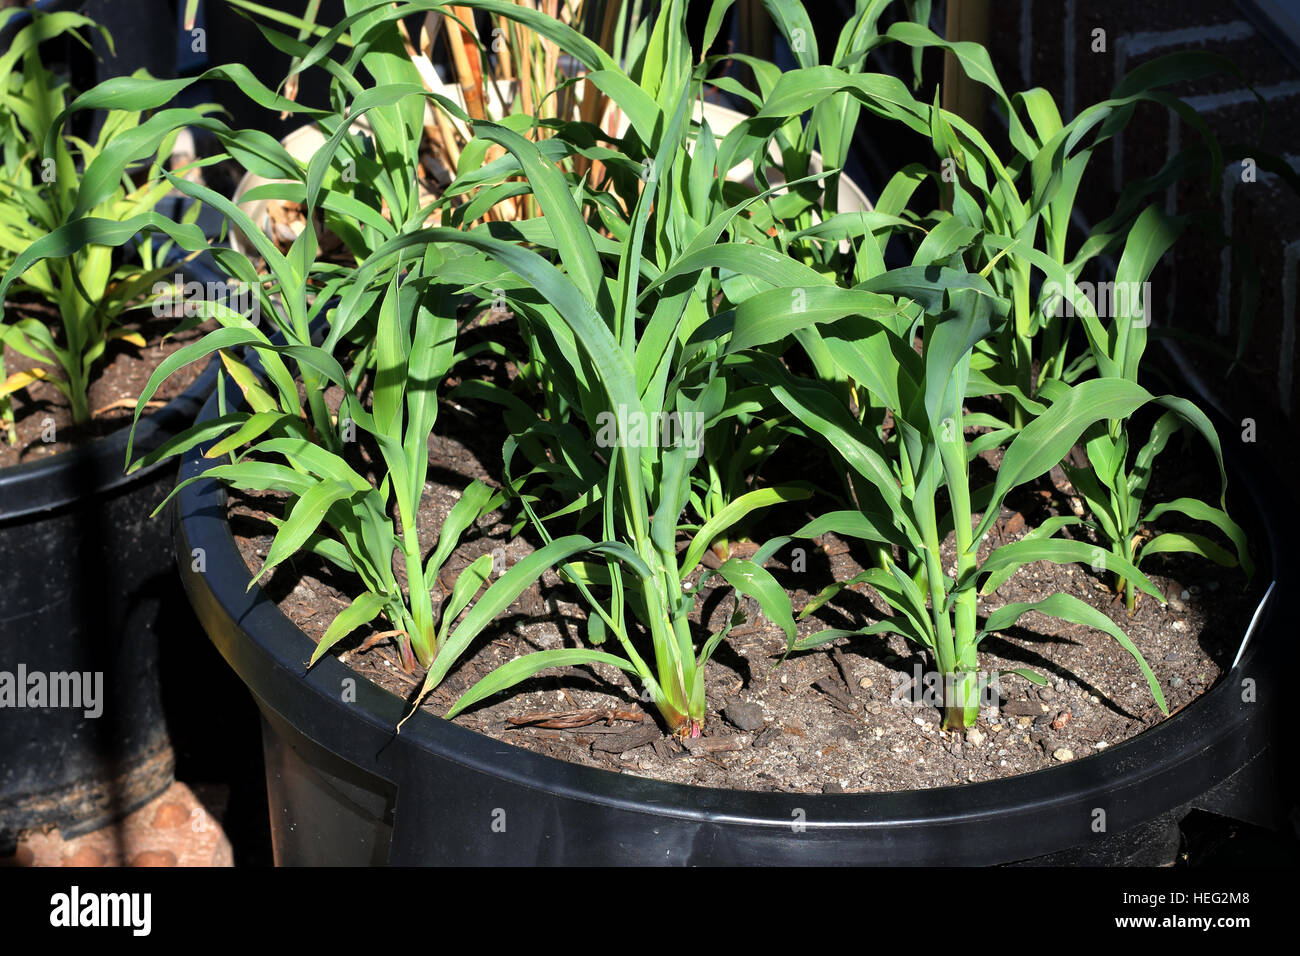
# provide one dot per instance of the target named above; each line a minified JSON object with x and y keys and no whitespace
{"x":344,"y":789}
{"x":87,"y":585}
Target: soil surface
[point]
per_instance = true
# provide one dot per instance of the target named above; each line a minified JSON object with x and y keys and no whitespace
{"x":43,"y":417}
{"x":840,"y":718}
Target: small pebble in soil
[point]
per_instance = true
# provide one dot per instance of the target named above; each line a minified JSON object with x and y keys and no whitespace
{"x":974,"y":737}
{"x":744,"y":715}
{"x":1063,"y":754}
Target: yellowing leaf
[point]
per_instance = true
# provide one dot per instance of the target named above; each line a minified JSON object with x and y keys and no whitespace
{"x":258,"y":398}
{"x":20,"y":380}
{"x":126,"y":335}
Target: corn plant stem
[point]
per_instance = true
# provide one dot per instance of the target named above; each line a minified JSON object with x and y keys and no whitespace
{"x":1129,"y":552}
{"x":397,"y":613}
{"x":916,"y":568}
{"x":1023,"y":360}
{"x":6,"y":407}
{"x":927,"y":523}
{"x":1056,"y":340}
{"x":671,"y":629}
{"x":75,"y":370}
{"x":674,"y":666}
{"x":422,"y":636}
{"x":964,"y":604}
{"x":944,"y":652}
{"x":1125,"y":521}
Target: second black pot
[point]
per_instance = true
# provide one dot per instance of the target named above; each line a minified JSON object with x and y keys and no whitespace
{"x":89,"y":591}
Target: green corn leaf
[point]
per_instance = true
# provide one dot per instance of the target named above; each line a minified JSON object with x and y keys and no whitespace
{"x":311,"y":457}
{"x":771,"y":315}
{"x":576,"y":249}
{"x":303,"y":520}
{"x":361,"y":611}
{"x":733,"y":512}
{"x":255,"y":396}
{"x":1047,"y":439}
{"x":890,"y":625}
{"x":1060,"y":551}
{"x":1069,"y":608}
{"x":475,"y":501}
{"x":195,"y":435}
{"x":248,"y":476}
{"x":1197,"y":544}
{"x":467,"y":585}
{"x":522,"y":668}
{"x":212,"y":342}
{"x":503,"y":592}
{"x":1164,"y":428}
{"x":1047,"y":529}
{"x":1199,"y":511}
{"x":757,"y":582}
{"x":253,"y":427}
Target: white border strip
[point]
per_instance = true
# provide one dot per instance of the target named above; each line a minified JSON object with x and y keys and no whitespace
{"x":1253,"y":621}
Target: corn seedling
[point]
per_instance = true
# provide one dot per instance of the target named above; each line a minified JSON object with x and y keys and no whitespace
{"x":900,"y":479}
{"x":1018,"y":211}
{"x":624,"y":334}
{"x":1114,"y":489}
{"x":41,"y":191}
{"x":290,"y":441}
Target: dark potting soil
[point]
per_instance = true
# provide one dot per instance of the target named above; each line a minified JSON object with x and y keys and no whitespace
{"x":838,"y":718}
{"x":43,"y":417}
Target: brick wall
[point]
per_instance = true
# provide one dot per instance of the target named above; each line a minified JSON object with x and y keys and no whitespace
{"x":1078,"y":49}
